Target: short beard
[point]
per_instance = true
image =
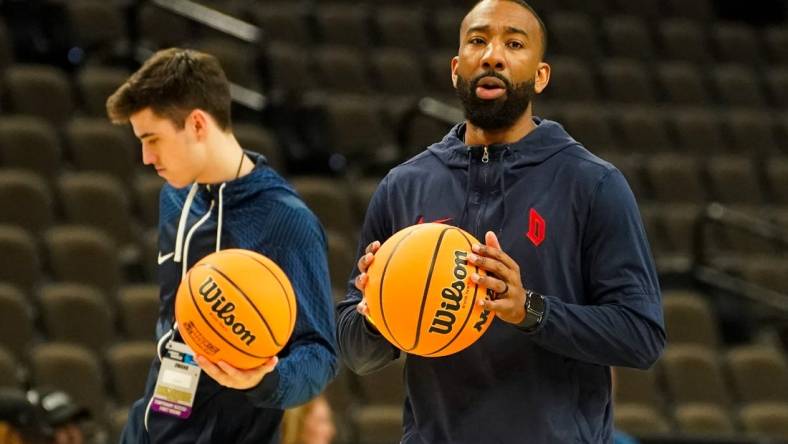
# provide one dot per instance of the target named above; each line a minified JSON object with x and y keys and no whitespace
{"x":496,"y":114}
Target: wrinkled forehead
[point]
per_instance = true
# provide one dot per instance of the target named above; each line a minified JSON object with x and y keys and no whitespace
{"x":501,"y":15}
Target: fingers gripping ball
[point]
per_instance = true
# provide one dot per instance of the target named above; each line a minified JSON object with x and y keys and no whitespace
{"x":236,"y":306}
{"x":420,"y":294}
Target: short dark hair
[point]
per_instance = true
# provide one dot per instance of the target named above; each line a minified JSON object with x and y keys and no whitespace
{"x":525,"y":5}
{"x":173,"y":82}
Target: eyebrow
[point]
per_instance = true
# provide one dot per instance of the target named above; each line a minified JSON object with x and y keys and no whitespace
{"x":146,"y":135}
{"x":486,"y":28}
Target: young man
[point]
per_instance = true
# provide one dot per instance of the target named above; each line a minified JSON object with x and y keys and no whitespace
{"x":563,"y":241}
{"x":218,"y":196}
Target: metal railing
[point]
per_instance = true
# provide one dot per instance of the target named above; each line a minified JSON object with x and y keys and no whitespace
{"x":706,"y":271}
{"x":231,"y":26}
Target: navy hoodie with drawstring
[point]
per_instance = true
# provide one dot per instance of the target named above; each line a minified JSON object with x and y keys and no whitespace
{"x":258,"y":212}
{"x":570,"y":221}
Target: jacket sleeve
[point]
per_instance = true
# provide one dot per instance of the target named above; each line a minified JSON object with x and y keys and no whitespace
{"x":308,"y":362}
{"x":622,"y":324}
{"x":362,"y":348}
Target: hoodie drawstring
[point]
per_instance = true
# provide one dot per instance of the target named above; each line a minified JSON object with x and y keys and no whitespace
{"x":219,"y":223}
{"x":182,"y":223}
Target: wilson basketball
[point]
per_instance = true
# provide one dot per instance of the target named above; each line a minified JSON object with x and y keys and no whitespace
{"x":236,"y":306}
{"x":420,"y":294}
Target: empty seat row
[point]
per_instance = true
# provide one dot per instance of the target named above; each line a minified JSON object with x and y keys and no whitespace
{"x":86,"y":255}
{"x":686,"y":179}
{"x":678,"y":38}
{"x":760,"y":420}
{"x":78,"y":314}
{"x":693,"y":374}
{"x":618,"y":80}
{"x":650,"y":130}
{"x":116,"y":378}
{"x":623,"y":30}
{"x":671,"y":229}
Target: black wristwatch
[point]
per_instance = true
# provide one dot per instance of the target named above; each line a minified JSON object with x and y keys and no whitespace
{"x":534,"y":310}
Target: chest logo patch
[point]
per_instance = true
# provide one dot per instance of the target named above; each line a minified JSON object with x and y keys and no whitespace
{"x":537,"y":227}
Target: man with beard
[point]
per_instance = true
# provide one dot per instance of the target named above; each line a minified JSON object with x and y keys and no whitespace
{"x":575,"y":287}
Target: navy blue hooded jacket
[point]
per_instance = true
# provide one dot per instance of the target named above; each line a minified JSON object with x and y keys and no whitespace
{"x":258,"y":212}
{"x":571,"y":222}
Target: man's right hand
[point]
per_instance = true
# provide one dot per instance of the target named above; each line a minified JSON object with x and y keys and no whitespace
{"x":361,"y":280}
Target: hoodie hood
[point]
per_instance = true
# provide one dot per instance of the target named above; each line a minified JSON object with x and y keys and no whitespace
{"x":218,"y":197}
{"x":260,"y":179}
{"x":546,"y":140}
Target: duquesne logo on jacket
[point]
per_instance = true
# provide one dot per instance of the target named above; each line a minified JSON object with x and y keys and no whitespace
{"x":537,"y":227}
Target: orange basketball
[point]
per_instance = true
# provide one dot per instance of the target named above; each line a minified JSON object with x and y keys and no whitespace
{"x":420,"y":294}
{"x":236,"y":306}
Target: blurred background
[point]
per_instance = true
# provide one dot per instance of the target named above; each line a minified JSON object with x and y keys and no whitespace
{"x":689,"y":98}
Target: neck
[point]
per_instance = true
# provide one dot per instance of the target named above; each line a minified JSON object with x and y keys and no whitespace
{"x":227,"y":160}
{"x":480,"y":136}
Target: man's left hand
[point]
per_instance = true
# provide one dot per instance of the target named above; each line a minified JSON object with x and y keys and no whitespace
{"x":231,"y":377}
{"x":503,"y":278}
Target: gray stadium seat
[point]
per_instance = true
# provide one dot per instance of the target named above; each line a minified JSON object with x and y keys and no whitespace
{"x":101,"y":201}
{"x":759,"y":373}
{"x":129,"y":364}
{"x":402,"y":26}
{"x":627,"y":81}
{"x":30,"y":143}
{"x":693,"y":375}
{"x":20,"y":262}
{"x":83,"y":255}
{"x":16,"y":324}
{"x":138,"y":310}
{"x":627,"y":36}
{"x":40,"y":91}
{"x":343,"y":24}
{"x":31,"y":199}
{"x":640,"y":420}
{"x":97,"y":145}
{"x":685,"y":40}
{"x":77,"y":314}
{"x":72,"y":369}
{"x":736,"y":43}
{"x":95,"y":85}
{"x":683,"y":83}
{"x":707,"y":420}
{"x":766,"y":419}
{"x":689,"y":319}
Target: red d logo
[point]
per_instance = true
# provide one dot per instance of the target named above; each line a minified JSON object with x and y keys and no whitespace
{"x":536,"y":227}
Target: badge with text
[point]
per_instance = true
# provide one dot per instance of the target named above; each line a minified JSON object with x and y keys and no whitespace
{"x":177,"y":382}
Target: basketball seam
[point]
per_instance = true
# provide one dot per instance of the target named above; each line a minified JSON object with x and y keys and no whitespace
{"x":427,"y":287}
{"x":380,"y":293}
{"x":254,"y":307}
{"x":191,"y":293}
{"x":281,"y":285}
{"x":470,"y":311}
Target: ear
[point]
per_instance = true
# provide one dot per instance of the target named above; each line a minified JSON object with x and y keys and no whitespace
{"x":197,"y":121}
{"x":454,"y":62}
{"x":542,"y":77}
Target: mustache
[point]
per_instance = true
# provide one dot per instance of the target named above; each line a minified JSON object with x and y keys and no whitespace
{"x":499,"y":76}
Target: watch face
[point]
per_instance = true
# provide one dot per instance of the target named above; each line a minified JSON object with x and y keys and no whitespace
{"x":536,"y":303}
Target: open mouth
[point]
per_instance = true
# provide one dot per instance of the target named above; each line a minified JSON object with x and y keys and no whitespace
{"x":488,"y":88}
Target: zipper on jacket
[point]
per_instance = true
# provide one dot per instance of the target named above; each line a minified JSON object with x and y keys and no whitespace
{"x":483,"y":203}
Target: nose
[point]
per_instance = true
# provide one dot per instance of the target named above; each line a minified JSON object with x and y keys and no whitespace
{"x":493,"y":57}
{"x":148,"y":156}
